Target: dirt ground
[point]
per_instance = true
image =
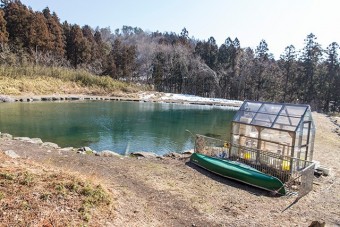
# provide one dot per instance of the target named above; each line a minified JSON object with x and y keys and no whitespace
{"x":173,"y":192}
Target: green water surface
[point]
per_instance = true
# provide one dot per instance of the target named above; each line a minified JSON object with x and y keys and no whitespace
{"x":117,"y":126}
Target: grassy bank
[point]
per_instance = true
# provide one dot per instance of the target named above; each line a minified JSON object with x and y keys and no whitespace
{"x":32,"y":195}
{"x":51,"y":80}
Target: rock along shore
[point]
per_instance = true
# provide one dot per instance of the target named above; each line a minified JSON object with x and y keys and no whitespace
{"x":51,"y":98}
{"x":134,"y":98}
{"x":87,"y":150}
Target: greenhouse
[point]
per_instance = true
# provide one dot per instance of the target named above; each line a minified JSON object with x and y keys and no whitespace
{"x":278,"y":136}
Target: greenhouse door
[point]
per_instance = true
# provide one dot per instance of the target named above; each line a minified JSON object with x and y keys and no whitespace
{"x":305,"y":140}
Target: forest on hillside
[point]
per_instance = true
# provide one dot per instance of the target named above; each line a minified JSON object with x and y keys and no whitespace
{"x":172,"y":62}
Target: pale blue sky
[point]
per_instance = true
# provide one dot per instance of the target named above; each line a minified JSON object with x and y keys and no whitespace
{"x":279,"y":22}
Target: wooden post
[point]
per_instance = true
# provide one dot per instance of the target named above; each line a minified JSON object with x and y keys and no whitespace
{"x":293,"y":135}
{"x":259,"y":143}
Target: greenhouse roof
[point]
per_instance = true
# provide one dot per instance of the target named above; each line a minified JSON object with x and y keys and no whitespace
{"x":280,"y":116}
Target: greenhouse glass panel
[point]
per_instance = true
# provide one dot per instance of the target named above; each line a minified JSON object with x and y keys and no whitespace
{"x":263,"y":119}
{"x":273,"y":109}
{"x":296,"y":111}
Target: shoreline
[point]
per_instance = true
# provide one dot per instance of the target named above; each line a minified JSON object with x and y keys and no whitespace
{"x":155,"y":97}
{"x":87,"y":150}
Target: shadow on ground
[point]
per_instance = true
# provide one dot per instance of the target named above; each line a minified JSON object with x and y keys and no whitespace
{"x":231,"y":182}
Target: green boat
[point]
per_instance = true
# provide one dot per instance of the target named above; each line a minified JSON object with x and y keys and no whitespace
{"x":239,"y":172}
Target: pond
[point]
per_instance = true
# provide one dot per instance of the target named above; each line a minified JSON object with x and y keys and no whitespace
{"x":117,"y":126}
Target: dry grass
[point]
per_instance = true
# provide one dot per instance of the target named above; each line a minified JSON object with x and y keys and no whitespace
{"x":50,"y":80}
{"x":36,"y":196}
{"x":335,"y":114}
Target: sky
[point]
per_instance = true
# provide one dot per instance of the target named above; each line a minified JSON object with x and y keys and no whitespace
{"x":279,"y":22}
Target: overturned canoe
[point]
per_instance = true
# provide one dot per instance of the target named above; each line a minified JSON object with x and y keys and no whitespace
{"x":239,"y":172}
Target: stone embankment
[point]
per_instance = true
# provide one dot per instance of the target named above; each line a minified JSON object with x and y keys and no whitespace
{"x":131,"y":98}
{"x":52,"y":98}
{"x":86,"y":150}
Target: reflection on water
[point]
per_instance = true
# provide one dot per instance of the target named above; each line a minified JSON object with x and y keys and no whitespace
{"x":118,"y":126}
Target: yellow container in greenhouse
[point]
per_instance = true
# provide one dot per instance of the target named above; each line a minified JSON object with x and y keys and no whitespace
{"x":247,"y":156}
{"x":285,"y":165}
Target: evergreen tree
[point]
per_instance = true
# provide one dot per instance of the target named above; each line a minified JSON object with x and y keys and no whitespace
{"x":127,"y":30}
{"x":310,"y":58}
{"x":223,"y":69}
{"x":100,"y":52}
{"x":39,"y":37}
{"x":246,"y":70}
{"x":184,"y":37}
{"x":222,"y":58}
{"x":233,"y":52}
{"x":56,"y":32}
{"x":288,"y":59}
{"x":78,"y":50}
{"x":67,"y":35}
{"x":158,"y":70}
{"x":208,"y":51}
{"x":3,"y":30}
{"x":179,"y":71}
{"x":261,"y":60}
{"x":332,"y":81}
{"x":122,"y":60}
{"x":18,"y":25}
{"x":88,"y":34}
{"x":212,"y":52}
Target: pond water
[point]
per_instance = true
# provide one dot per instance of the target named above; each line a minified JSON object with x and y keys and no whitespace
{"x":117,"y":126}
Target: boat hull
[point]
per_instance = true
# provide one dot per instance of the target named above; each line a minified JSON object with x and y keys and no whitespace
{"x":239,"y":172}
